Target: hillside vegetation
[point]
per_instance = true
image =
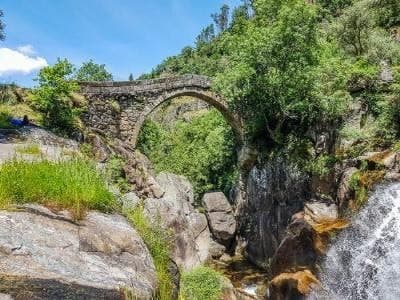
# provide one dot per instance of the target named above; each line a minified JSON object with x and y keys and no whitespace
{"x":289,"y":67}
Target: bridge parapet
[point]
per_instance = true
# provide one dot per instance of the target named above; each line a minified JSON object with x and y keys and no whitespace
{"x":150,"y":85}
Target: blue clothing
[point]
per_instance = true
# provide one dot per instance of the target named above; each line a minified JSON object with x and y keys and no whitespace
{"x":17,"y":122}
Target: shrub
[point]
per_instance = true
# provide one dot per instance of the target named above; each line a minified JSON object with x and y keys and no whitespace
{"x":321,"y":165}
{"x":159,"y":243}
{"x":361,"y":182}
{"x":115,"y":173}
{"x":201,"y":283}
{"x":5,"y":120}
{"x":74,"y":185}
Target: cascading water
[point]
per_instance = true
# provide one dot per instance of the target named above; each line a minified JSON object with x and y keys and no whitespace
{"x":363,"y":262}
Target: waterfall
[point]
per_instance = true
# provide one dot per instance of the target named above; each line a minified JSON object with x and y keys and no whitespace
{"x":363,"y":262}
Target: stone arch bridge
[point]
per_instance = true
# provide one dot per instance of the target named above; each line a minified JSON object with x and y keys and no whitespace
{"x":119,"y":109}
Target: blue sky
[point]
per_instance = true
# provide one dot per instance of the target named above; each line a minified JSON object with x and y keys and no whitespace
{"x":129,"y":36}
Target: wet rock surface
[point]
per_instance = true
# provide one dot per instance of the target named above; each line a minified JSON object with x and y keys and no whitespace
{"x":275,"y":191}
{"x":45,"y":255}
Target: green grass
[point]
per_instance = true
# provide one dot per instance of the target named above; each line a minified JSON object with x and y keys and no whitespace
{"x":159,"y":243}
{"x":32,"y":149}
{"x":5,"y":120}
{"x":201,"y":283}
{"x":74,"y":185}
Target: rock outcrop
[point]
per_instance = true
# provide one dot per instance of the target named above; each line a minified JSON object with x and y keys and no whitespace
{"x":220,"y":217}
{"x":275,"y":190}
{"x":45,"y":255}
{"x":192,"y":237}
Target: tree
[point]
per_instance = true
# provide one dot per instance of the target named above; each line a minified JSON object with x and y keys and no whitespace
{"x":2,"y":26}
{"x":270,"y":78}
{"x":334,"y":6}
{"x":205,"y":36}
{"x":130,"y":77}
{"x":388,"y":12}
{"x":90,"y":71}
{"x":222,"y":19}
{"x":53,"y":96}
{"x":354,"y":27}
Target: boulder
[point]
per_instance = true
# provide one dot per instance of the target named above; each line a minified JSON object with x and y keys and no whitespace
{"x":216,"y":250}
{"x":192,"y":237}
{"x":45,"y":255}
{"x":296,"y":250}
{"x":99,"y":148}
{"x":292,"y":286}
{"x":220,"y":217}
{"x":129,"y":200}
{"x":320,"y":212}
{"x":392,"y":162}
{"x":344,"y":192}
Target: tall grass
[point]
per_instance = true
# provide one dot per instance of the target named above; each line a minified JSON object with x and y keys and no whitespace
{"x":32,"y":149}
{"x":74,"y":185}
{"x":159,"y":243}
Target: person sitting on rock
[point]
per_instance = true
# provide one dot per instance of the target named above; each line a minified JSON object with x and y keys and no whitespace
{"x":19,"y":123}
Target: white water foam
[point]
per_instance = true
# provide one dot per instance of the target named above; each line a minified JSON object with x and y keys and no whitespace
{"x":363,"y":263}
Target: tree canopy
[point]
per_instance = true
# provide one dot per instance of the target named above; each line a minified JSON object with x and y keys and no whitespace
{"x":52,"y":96}
{"x":91,"y":71}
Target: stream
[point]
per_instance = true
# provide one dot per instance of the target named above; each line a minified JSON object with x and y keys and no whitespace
{"x":244,"y":276}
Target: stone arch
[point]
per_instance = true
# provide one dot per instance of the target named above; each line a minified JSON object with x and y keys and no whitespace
{"x":207,"y":96}
{"x":119,"y":109}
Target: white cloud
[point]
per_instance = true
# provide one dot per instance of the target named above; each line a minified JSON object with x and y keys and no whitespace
{"x":20,"y":61}
{"x":26,"y":49}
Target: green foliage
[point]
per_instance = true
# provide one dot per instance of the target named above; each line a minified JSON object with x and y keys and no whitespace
{"x":201,"y":283}
{"x":53,"y":96}
{"x":159,"y":242}
{"x":387,"y":12}
{"x":333,"y":6}
{"x":354,"y":27}
{"x":270,"y":81}
{"x":357,"y":31}
{"x":74,"y":185}
{"x":321,"y":165}
{"x":361,"y":182}
{"x":90,"y":71}
{"x":5,"y":118}
{"x":115,"y":173}
{"x":202,"y":150}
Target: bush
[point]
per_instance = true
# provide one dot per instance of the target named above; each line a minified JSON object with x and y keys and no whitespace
{"x":115,"y":173}
{"x":159,"y":243}
{"x":201,"y":283}
{"x":74,"y":185}
{"x":5,"y":120}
